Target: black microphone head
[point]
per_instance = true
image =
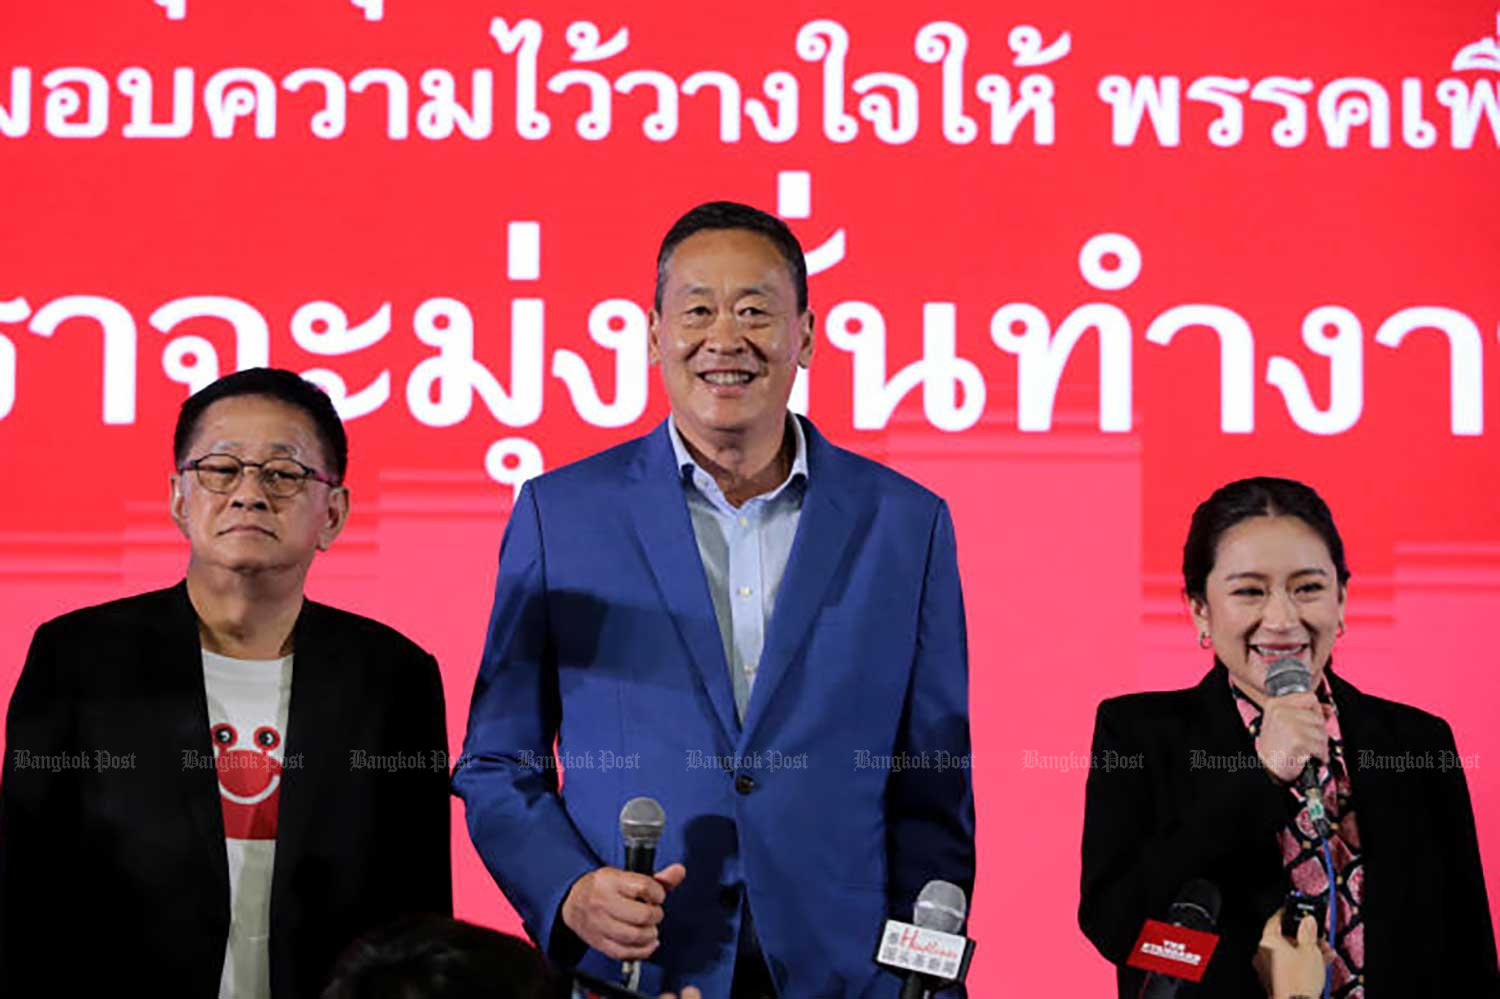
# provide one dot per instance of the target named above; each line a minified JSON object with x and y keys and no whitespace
{"x":1197,"y":906}
{"x":641,"y":822}
{"x":941,"y":906}
{"x":1288,"y":675}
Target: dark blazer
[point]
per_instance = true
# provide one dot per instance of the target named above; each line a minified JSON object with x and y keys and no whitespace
{"x":1182,"y":813}
{"x":603,"y":637}
{"x":117,"y":878}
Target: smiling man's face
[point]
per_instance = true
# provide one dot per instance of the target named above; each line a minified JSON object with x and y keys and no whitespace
{"x":247,"y":529}
{"x":729,"y":337}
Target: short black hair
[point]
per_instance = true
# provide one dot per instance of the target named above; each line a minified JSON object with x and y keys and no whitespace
{"x":733,"y":215}
{"x":273,"y":383}
{"x":1262,"y":496}
{"x":435,"y":957}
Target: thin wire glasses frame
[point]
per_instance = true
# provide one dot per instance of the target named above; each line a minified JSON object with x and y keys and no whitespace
{"x":282,"y":478}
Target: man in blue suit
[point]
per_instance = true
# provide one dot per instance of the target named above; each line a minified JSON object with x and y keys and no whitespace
{"x":758,"y":629}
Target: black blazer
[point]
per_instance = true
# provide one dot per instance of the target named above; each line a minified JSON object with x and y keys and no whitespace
{"x":117,"y":878}
{"x":1155,"y":820}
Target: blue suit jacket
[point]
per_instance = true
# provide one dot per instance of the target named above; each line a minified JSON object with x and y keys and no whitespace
{"x":603,"y":637}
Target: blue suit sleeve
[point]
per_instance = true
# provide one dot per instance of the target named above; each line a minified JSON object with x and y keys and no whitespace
{"x":507,"y":775}
{"x":930,"y":811}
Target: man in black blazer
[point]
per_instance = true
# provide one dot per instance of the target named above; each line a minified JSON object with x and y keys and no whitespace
{"x":1178,"y":793}
{"x":213,"y":789}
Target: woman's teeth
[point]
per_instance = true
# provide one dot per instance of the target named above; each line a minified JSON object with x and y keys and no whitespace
{"x":1278,"y":651}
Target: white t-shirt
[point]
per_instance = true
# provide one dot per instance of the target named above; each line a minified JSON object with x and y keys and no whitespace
{"x":248,"y":700}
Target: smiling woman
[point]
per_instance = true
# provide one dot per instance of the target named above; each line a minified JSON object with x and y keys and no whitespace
{"x":1265,"y":577}
{"x":1221,"y":796}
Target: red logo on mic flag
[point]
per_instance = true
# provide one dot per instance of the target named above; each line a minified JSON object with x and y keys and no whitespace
{"x":1173,"y":950}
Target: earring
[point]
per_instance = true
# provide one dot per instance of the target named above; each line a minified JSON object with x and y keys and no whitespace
{"x":1204,"y":642}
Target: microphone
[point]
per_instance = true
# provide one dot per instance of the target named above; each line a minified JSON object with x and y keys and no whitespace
{"x":641,"y":823}
{"x":1289,"y":675}
{"x":1179,"y":951}
{"x":941,"y":906}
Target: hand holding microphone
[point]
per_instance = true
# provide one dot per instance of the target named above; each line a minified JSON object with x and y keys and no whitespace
{"x":1293,"y":729}
{"x":615,"y":911}
{"x":1294,"y":734}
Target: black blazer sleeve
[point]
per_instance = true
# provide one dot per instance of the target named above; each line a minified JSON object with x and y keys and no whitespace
{"x":418,"y":843}
{"x":1470,"y":940}
{"x":36,"y":821}
{"x":364,"y":838}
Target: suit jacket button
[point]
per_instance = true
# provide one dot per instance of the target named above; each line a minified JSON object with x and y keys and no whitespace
{"x":744,"y":783}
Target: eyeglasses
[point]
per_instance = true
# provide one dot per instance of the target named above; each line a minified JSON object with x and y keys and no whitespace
{"x":282,"y":478}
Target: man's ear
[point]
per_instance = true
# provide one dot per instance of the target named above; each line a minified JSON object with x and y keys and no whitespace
{"x":653,"y":332}
{"x":177,"y":503}
{"x":336,"y":515}
{"x":808,"y":323}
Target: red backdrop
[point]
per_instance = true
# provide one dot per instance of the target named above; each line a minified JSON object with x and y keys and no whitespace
{"x":350,"y":187}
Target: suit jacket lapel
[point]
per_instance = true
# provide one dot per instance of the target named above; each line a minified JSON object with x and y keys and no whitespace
{"x":824,"y":532}
{"x":1225,"y":729}
{"x":670,"y":548}
{"x":1224,"y":735}
{"x":315,"y":747}
{"x":174,"y":662}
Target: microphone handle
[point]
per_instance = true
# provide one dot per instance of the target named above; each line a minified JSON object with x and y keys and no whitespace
{"x":639,"y":859}
{"x":915,"y":987}
{"x":1160,"y":986}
